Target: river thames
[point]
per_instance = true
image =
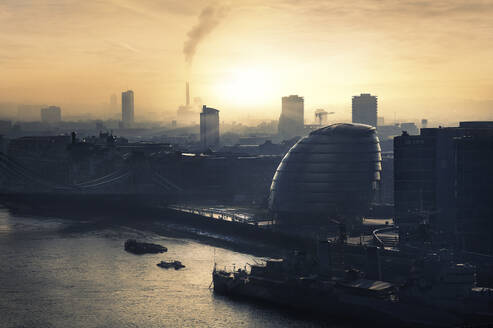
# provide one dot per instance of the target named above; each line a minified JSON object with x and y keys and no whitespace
{"x":61,"y":273}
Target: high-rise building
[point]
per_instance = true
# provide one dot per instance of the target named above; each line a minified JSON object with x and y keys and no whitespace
{"x":424,"y":123}
{"x":365,"y":109}
{"x":52,"y":114}
{"x":445,"y":176}
{"x":128,"y":108}
{"x":209,"y":127}
{"x":474,"y":192}
{"x":291,"y":121}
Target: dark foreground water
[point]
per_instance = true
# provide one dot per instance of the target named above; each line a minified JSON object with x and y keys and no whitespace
{"x":58,"y":273}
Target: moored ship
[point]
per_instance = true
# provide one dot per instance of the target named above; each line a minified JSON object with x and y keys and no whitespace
{"x":297,"y":283}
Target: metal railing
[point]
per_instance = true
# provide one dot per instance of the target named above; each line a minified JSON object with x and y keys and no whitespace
{"x":218,"y":214}
{"x":385,"y":241}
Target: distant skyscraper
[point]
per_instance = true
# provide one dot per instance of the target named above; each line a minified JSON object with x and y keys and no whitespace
{"x":209,"y":127}
{"x":365,"y":109}
{"x":128,"y":108}
{"x":291,"y":122}
{"x":52,"y":114}
{"x":424,"y":123}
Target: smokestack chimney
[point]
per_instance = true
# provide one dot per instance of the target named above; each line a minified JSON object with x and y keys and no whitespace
{"x":188,"y":95}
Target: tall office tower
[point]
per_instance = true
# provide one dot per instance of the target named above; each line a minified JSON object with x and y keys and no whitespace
{"x":445,"y":176}
{"x":209,"y":127}
{"x":291,"y":121}
{"x":128,"y":108}
{"x":52,"y":114}
{"x":365,"y":109}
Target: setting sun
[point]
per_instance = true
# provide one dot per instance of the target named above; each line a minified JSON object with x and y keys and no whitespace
{"x":246,"y":86}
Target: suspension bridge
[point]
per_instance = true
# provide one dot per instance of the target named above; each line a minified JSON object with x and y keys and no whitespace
{"x":136,"y":176}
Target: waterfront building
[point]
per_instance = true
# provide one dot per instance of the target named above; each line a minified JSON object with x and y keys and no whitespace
{"x":51,"y":114}
{"x":333,"y":172}
{"x":291,"y":121}
{"x":209,"y":127}
{"x":128,"y":108}
{"x":474,"y":192}
{"x":364,"y":109}
{"x":444,"y":177}
{"x":387,"y":178}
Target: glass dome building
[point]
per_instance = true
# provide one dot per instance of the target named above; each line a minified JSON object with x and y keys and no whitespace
{"x":332,"y":172}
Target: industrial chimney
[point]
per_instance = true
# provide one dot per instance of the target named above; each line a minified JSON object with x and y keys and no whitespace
{"x":188,"y":95}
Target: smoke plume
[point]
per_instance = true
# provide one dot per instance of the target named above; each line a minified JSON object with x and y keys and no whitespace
{"x":209,"y":18}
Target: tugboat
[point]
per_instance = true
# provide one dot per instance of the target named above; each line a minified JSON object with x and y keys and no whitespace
{"x":135,"y":247}
{"x":171,"y":264}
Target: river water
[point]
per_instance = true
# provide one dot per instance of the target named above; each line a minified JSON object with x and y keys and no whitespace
{"x":61,"y":273}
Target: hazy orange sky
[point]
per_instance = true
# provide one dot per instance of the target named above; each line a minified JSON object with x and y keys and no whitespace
{"x":429,"y":59}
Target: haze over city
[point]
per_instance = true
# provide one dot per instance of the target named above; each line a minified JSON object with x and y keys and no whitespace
{"x":246,"y":163}
{"x":421,"y":58}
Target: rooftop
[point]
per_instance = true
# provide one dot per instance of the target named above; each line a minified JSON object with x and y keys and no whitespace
{"x":476,"y":124}
{"x":209,"y":110}
{"x":351,"y":129}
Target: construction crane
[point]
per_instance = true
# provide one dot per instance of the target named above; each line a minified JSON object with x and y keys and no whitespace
{"x":321,"y":116}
